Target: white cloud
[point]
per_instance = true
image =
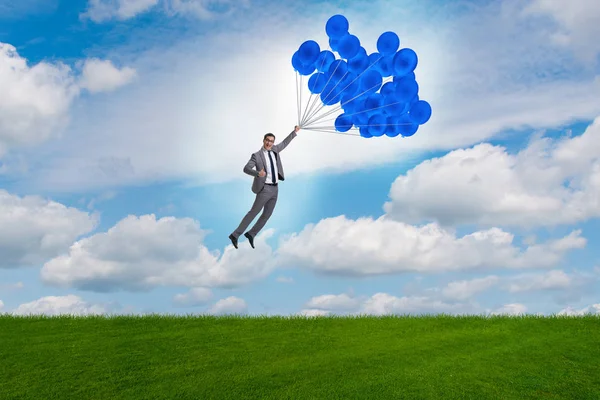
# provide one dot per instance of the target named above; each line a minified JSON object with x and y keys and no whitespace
{"x":570,"y":311}
{"x":103,"y":76}
{"x":383,"y":304}
{"x":141,"y":253}
{"x":194,"y":297}
{"x":285,"y":279}
{"x":576,"y":24}
{"x":366,"y":246}
{"x":564,"y":287}
{"x":106,"y":10}
{"x":314,"y":313}
{"x":555,"y":279}
{"x":342,"y":302}
{"x":487,"y":185}
{"x":510,"y":309}
{"x":465,"y":289}
{"x":36,"y":99}
{"x":1,"y":305}
{"x":195,"y":96}
{"x":58,"y":305}
{"x":11,"y":9}
{"x":204,"y":9}
{"x":109,"y":195}
{"x":230,"y":305}
{"x":33,"y":229}
{"x":455,"y":298}
{"x":12,"y":286}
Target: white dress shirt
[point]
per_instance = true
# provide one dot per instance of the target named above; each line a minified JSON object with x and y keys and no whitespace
{"x":268,"y":167}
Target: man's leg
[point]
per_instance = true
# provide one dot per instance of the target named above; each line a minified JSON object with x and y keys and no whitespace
{"x":259,"y":202}
{"x":267,"y":212}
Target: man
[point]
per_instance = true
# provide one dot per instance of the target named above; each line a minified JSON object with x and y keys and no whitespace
{"x":266,"y":168}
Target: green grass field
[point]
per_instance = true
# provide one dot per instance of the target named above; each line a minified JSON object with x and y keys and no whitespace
{"x":204,"y":357}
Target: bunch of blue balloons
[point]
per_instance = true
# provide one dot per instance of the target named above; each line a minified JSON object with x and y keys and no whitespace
{"x":355,"y":80}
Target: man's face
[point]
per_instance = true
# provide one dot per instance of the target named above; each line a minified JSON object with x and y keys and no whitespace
{"x":268,"y":142}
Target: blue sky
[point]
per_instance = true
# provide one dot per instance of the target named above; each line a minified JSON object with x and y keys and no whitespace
{"x":127,"y":124}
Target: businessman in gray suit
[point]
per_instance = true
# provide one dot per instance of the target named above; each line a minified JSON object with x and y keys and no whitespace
{"x":266,"y":168}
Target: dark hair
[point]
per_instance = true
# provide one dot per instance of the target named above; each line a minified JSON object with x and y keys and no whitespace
{"x":267,"y":135}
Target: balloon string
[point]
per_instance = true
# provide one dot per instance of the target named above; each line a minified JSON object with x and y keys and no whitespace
{"x":332,"y":131}
{"x":301,"y":90}
{"x":329,"y":79}
{"x":357,"y":77}
{"x":340,"y":80}
{"x":312,"y":106}
{"x":358,"y":112}
{"x":311,"y":97}
{"x":338,"y":107}
{"x":360,"y":125}
{"x":348,"y":85}
{"x":298,"y":89}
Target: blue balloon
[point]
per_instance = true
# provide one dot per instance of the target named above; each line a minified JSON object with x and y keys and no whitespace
{"x":334,"y":44}
{"x":370,"y":80}
{"x":361,"y":52}
{"x":374,"y":58}
{"x":406,"y":89}
{"x":360,"y":119}
{"x":349,"y":84}
{"x":405,"y":62}
{"x":386,"y":66}
{"x":337,"y":26}
{"x":397,"y":78}
{"x":317,"y":82}
{"x":324,"y":60}
{"x":351,"y":104}
{"x":388,"y":43}
{"x":300,"y":67}
{"x":364,"y":132}
{"x":343,"y":123}
{"x":392,"y":129}
{"x":377,"y":124}
{"x":330,"y":94}
{"x":348,"y":46}
{"x":338,"y":69}
{"x":394,"y":106}
{"x":388,"y":89}
{"x":414,"y":99}
{"x":355,"y":81}
{"x":406,"y":127}
{"x":308,"y":52}
{"x":420,"y":112}
{"x":373,"y":102}
{"x":358,"y":63}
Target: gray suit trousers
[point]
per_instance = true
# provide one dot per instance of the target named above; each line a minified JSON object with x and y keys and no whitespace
{"x":266,"y":200}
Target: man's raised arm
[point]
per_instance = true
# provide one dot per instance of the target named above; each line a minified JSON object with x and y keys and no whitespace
{"x":279,"y":147}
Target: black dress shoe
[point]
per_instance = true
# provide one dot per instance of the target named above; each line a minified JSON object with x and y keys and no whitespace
{"x":233,"y":240}
{"x":250,"y":239}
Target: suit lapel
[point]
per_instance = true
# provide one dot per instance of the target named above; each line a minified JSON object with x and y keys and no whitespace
{"x":262,"y":157}
{"x":264,"y":160}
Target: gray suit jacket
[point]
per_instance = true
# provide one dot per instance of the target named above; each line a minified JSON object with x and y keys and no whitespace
{"x":257,"y":162}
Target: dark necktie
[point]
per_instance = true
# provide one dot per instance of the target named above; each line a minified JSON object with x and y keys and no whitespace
{"x":272,"y":167}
